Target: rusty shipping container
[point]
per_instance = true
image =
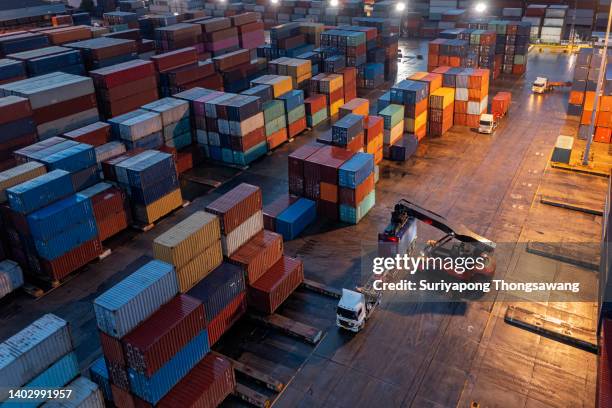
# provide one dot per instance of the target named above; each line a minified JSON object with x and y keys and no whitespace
{"x":275,"y":286}
{"x":258,"y":254}
{"x":236,"y":206}
{"x":166,"y":332}
{"x":206,"y":385}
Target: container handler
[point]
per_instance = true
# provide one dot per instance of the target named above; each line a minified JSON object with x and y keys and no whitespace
{"x":542,"y":85}
{"x":356,"y":306}
{"x":499,"y":108}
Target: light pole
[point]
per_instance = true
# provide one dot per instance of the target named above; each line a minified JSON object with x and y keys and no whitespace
{"x":480,"y":7}
{"x":602,"y":73}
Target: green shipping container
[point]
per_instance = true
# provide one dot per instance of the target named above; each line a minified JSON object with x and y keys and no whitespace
{"x":317,"y":118}
{"x":273,"y":109}
{"x":275,"y":125}
{"x":296,"y":114}
{"x":392,"y":115}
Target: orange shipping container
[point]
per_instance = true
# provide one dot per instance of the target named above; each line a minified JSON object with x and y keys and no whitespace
{"x":461,"y":107}
{"x":604,"y":119}
{"x":605,"y":103}
{"x":589,"y":100}
{"x":576,"y":97}
{"x":329,"y":192}
{"x":586,"y":117}
{"x":602,"y":135}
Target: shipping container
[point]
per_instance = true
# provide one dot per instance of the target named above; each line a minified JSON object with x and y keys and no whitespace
{"x":29,"y":352}
{"x":236,"y":206}
{"x":275,"y":286}
{"x":85,"y":394}
{"x":125,"y":305}
{"x":258,"y":254}
{"x":156,"y":340}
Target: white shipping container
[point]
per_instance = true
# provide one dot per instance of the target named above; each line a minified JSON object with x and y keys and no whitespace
{"x":246,"y":126}
{"x":461,"y":94}
{"x":125,"y":305}
{"x":67,"y":123}
{"x":49,"y":89}
{"x":108,"y":150}
{"x":29,"y":352}
{"x":19,"y":174}
{"x":140,"y":126}
{"x":554,"y":22}
{"x":85,"y":394}
{"x":11,"y":277}
{"x":245,"y":231}
{"x":171,"y":110}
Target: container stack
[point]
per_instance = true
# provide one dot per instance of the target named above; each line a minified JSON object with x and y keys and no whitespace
{"x":236,"y":69}
{"x":447,"y":52}
{"x":534,"y":14}
{"x":413,"y":95}
{"x":42,"y":356}
{"x":250,"y":30}
{"x":332,"y":86}
{"x":356,"y":188}
{"x":316,"y":109}
{"x":348,"y":132}
{"x":21,"y":41}
{"x":79,"y":159}
{"x":193,"y":247}
{"x":115,"y":97}
{"x":60,"y":102}
{"x":120,"y":20}
{"x":553,"y":25}
{"x":139,"y":129}
{"x":471,"y":96}
{"x":289,"y":215}
{"x":513,"y":43}
{"x":299,"y":70}
{"x":219,"y":36}
{"x":51,"y":59}
{"x":110,"y":209}
{"x":231,"y":128}
{"x":150,"y":181}
{"x":177,"y":36}
{"x":144,"y":47}
{"x":62,"y":35}
{"x":291,"y":40}
{"x":11,"y":277}
{"x":175,"y":121}
{"x":57,"y":233}
{"x":393,"y":129}
{"x":441,"y":110}
{"x":373,"y":130}
{"x":293,"y":102}
{"x":275,"y":120}
{"x":105,"y":51}
{"x":17,"y":128}
{"x":181,"y":70}
{"x":438,"y":7}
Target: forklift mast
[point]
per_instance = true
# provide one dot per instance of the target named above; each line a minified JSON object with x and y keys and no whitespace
{"x":404,"y":210}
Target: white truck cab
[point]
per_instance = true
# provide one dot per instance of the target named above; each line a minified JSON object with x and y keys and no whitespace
{"x":487,"y":123}
{"x":351,"y":311}
{"x":540,"y":85}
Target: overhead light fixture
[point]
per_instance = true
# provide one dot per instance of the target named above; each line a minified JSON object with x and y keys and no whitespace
{"x":401,"y":6}
{"x":481,"y":7}
{"x":274,"y":1}
{"x":333,"y":3}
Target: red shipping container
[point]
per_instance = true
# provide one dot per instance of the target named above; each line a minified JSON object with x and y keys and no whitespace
{"x":206,"y":385}
{"x":244,"y":18}
{"x":112,"y":224}
{"x":130,"y":103}
{"x":275,"y":286}
{"x":250,"y":27}
{"x":72,"y":260}
{"x":296,"y":167}
{"x":96,"y":134}
{"x":314,"y":103}
{"x":184,"y":161}
{"x":244,"y":143}
{"x":155,"y":341}
{"x":324,"y":164}
{"x":356,"y":144}
{"x":373,"y":127}
{"x":226,"y":318}
{"x":272,"y":210}
{"x":277,"y":138}
{"x":258,"y":254}
{"x":236,"y":206}
{"x":327,"y":209}
{"x":122,"y":74}
{"x":108,"y":202}
{"x":14,"y":108}
{"x":296,"y":127}
{"x":63,"y":109}
{"x":141,"y":85}
{"x":112,"y":349}
{"x":124,"y":399}
{"x":175,"y":59}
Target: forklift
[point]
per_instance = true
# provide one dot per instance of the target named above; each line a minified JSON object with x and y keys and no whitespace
{"x":399,"y":237}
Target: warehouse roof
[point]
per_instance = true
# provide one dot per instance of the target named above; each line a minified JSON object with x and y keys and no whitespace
{"x":15,"y":9}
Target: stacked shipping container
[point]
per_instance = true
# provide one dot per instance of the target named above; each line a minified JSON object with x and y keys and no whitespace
{"x":17,"y":128}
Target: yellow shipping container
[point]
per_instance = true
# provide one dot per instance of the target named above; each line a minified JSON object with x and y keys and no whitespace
{"x":418,"y":75}
{"x":335,"y":82}
{"x":18,"y":175}
{"x":357,"y":106}
{"x":411,"y":125}
{"x":199,"y":267}
{"x":393,"y":135}
{"x":445,"y":95}
{"x":280,"y":84}
{"x":335,"y":107}
{"x":181,"y":243}
{"x":375,"y":144}
{"x":298,"y":67}
{"x":159,"y":208}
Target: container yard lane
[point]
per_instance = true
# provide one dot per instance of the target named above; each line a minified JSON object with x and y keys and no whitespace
{"x":410,"y":354}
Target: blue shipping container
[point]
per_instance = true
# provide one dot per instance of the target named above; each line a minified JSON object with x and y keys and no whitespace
{"x":72,"y":159}
{"x":153,"y":388}
{"x":69,"y":239}
{"x":292,"y":99}
{"x":355,"y":170}
{"x":40,"y":191}
{"x":98,"y":372}
{"x":60,"y":216}
{"x":299,"y":215}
